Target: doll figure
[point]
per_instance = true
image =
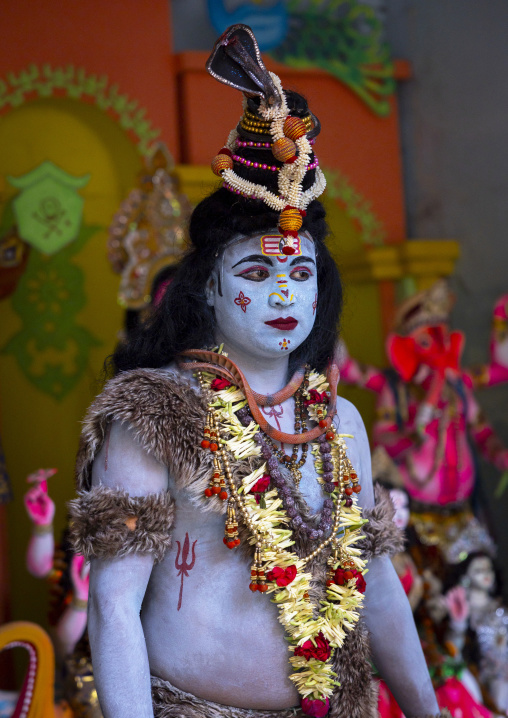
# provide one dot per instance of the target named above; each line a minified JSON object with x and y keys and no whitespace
{"x":473,"y":605}
{"x":218,"y":465}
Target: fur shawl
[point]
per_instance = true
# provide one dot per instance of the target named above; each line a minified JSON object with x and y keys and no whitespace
{"x":168,"y":417}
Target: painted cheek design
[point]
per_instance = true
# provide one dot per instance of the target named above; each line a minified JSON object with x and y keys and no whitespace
{"x":314,"y":305}
{"x":242,"y":301}
{"x":284,"y":344}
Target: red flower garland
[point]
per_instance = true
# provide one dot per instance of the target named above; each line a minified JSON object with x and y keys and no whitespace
{"x":315,"y":707}
{"x":343,"y":575}
{"x":321,"y":651}
{"x":261,"y":485}
{"x":219,"y":383}
{"x":282,"y":576}
{"x":316,"y":398}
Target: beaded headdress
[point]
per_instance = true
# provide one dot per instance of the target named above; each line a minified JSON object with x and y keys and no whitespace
{"x":271,"y":138}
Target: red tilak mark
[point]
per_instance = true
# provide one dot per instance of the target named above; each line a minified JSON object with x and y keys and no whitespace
{"x":282,"y":260}
{"x":314,"y":305}
{"x":183,"y":568}
{"x":242,"y":301}
{"x":285,"y":292}
{"x":275,"y":413}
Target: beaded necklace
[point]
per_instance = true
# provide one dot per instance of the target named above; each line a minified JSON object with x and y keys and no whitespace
{"x":314,"y":632}
{"x":292,"y":462}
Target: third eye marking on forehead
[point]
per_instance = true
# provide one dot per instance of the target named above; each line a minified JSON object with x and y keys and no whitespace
{"x":255,"y":258}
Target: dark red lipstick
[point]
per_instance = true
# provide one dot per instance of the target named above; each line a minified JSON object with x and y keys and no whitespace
{"x":283,"y":323}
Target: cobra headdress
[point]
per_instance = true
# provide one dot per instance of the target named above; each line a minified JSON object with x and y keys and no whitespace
{"x":269,"y":155}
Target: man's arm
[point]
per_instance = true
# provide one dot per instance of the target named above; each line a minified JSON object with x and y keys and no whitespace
{"x":395,"y":645}
{"x":119,"y":656}
{"x":123,"y":471}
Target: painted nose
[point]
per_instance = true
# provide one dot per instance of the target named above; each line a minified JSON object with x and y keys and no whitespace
{"x":281,"y":298}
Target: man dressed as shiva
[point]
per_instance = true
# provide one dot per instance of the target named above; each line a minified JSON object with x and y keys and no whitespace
{"x":240,"y":561}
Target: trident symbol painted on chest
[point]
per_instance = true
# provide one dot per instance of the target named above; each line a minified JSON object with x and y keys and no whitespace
{"x":183,"y":567}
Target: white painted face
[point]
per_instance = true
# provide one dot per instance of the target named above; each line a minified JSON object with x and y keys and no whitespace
{"x":265,"y":302}
{"x":481,"y":573}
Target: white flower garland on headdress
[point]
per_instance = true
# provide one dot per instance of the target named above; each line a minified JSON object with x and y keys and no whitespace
{"x":291,"y":175}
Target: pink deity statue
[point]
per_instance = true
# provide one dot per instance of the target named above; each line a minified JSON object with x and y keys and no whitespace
{"x":427,"y":415}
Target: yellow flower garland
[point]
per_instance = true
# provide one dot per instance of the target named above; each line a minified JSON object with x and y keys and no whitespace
{"x":338,"y":611}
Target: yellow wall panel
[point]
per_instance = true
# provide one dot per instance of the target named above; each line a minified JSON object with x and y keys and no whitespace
{"x":38,"y":430}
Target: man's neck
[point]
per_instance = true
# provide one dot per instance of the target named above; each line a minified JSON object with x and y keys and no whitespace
{"x":266,"y":376}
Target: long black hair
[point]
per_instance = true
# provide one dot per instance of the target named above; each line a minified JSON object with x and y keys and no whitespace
{"x":183,"y":320}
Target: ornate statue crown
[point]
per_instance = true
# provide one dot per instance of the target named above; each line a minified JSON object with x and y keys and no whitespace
{"x":427,"y":308}
{"x":267,"y":124}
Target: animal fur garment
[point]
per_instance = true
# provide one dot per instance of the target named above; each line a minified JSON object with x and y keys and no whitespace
{"x":167,"y":417}
{"x":171,"y":702}
{"x":107,"y":523}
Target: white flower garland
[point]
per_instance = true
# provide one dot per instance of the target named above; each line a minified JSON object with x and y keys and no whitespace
{"x":338,"y":611}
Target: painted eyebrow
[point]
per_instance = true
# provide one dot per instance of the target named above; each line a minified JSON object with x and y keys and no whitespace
{"x":301,"y":259}
{"x":255,"y":258}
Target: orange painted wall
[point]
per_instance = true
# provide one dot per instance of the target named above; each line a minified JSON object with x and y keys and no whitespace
{"x":126,"y":40}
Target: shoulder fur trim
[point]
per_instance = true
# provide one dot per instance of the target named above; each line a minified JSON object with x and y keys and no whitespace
{"x":357,"y":694}
{"x":108,"y":523}
{"x":382,"y":536}
{"x":166,"y":414}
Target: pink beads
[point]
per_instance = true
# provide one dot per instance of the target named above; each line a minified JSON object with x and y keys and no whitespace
{"x":272,"y":168}
{"x":256,"y":165}
{"x":259,"y":145}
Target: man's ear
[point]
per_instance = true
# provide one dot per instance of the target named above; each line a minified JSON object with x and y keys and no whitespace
{"x":210,"y":290}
